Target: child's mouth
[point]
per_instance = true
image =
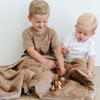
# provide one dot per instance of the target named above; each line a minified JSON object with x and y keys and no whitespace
{"x":40,"y":27}
{"x":80,"y":38}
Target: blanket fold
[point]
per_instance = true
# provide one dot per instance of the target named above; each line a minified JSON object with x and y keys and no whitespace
{"x":30,"y":75}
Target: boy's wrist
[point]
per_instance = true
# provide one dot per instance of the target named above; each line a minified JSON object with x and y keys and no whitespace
{"x":44,"y":61}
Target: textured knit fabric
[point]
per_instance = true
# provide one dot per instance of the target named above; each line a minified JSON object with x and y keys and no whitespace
{"x":33,"y":76}
{"x":42,"y":43}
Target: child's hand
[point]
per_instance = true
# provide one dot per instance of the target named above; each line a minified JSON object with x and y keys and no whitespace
{"x":51,"y":64}
{"x":65,"y":49}
{"x":61,"y":71}
{"x":90,"y":74}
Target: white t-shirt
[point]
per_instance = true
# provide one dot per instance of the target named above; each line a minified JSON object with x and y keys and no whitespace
{"x":79,"y":49}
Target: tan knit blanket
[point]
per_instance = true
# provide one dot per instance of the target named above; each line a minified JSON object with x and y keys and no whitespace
{"x":30,"y":77}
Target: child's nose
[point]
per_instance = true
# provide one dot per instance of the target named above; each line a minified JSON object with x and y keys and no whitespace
{"x":82,"y":34}
{"x":41,"y":24}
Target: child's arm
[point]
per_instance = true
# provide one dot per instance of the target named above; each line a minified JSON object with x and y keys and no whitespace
{"x":59,"y":57}
{"x":38,"y":57}
{"x":91,"y":61}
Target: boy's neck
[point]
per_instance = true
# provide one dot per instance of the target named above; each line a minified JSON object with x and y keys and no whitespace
{"x":40,"y":32}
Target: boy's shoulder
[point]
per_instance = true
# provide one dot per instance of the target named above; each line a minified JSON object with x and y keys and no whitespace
{"x":28,"y":29}
{"x":51,"y":29}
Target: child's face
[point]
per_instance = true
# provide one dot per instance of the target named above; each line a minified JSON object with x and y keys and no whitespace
{"x":39,"y":22}
{"x":83,"y":32}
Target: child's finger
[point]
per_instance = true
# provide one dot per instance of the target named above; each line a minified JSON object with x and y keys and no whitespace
{"x":63,"y":48}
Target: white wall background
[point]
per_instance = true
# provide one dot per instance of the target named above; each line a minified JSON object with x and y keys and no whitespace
{"x":64,"y":13}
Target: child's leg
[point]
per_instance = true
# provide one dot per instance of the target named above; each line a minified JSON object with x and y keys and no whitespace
{"x":77,"y":63}
{"x":77,"y":70}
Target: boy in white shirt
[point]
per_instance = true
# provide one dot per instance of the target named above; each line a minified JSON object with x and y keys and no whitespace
{"x":80,"y":44}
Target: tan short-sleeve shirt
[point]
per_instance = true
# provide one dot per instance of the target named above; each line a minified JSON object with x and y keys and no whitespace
{"x":42,"y":43}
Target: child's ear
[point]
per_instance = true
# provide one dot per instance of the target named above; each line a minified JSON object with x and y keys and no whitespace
{"x":29,"y":18}
{"x":75,"y":27}
{"x":93,"y":33}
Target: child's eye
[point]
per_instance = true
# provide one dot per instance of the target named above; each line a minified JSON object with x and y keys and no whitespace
{"x":79,"y":32}
{"x":85,"y":34}
{"x":44,"y":21}
{"x":37,"y":21}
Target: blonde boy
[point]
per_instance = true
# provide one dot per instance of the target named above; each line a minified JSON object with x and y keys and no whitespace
{"x":80,"y":44}
{"x":39,"y":39}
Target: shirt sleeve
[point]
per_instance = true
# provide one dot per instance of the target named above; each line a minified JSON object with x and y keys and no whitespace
{"x":27,"y":41}
{"x":54,"y":41}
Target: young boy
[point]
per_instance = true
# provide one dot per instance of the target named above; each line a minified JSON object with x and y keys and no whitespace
{"x":39,"y":39}
{"x":80,"y":44}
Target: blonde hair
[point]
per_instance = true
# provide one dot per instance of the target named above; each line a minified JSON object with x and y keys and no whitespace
{"x":88,"y":19}
{"x":39,"y":7}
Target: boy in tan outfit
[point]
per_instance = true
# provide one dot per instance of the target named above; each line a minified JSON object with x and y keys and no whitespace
{"x":39,"y":39}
